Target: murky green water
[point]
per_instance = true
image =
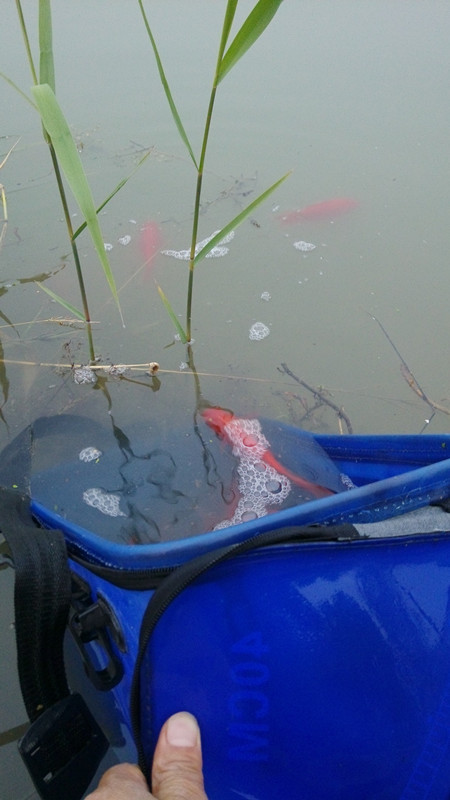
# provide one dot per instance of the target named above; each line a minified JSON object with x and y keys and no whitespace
{"x":353,"y":98}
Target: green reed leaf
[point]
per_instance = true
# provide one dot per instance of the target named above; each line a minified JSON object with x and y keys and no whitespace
{"x":119,"y":186}
{"x":4,"y":381}
{"x":226,"y":27}
{"x":69,"y":159}
{"x":68,"y":306}
{"x":46,"y":64}
{"x":166,"y":87}
{"x":173,"y":316}
{"x":255,"y":24}
{"x":18,"y":89}
{"x":238,"y":220}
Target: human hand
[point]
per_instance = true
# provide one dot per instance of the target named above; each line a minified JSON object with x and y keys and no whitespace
{"x":176,"y":773}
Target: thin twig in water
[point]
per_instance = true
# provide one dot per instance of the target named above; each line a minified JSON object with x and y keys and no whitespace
{"x":409,"y":376}
{"x":341,"y":415}
{"x":137,"y":368}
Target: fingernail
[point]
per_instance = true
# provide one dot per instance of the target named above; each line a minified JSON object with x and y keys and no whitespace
{"x":182,"y":730}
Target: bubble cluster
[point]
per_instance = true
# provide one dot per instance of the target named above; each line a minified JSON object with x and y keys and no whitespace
{"x":84,"y":375}
{"x":266,"y":296}
{"x":260,"y":485}
{"x":258,"y":331}
{"x":305,"y":247}
{"x":106,"y":503}
{"x":89,"y":454}
{"x":124,"y":240}
{"x":116,"y":370}
{"x":217,"y":252}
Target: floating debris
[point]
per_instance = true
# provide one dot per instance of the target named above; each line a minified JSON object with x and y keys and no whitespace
{"x":305,"y":247}
{"x":84,"y":375}
{"x":217,"y":252}
{"x":116,"y":370}
{"x":177,"y":338}
{"x":90,"y":454}
{"x":124,"y":240}
{"x":258,"y":331}
{"x":266,"y":296}
{"x":153,"y":367}
{"x":106,"y":503}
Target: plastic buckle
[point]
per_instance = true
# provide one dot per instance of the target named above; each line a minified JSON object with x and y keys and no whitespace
{"x":62,"y":749}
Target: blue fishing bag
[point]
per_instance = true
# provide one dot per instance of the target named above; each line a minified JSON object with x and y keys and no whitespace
{"x":312,"y":644}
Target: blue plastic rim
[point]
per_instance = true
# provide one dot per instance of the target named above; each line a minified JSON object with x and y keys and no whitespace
{"x":394,"y":474}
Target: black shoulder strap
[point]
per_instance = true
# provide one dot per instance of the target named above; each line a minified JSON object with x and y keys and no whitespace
{"x":64,"y":745}
{"x":41,"y":602}
{"x":184,"y":575}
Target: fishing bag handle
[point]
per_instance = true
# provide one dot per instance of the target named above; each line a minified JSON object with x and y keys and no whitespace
{"x":64,"y":745}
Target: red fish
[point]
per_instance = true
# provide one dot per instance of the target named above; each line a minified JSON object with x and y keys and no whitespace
{"x":326,"y":210}
{"x":219,"y":419}
{"x":150,"y":242}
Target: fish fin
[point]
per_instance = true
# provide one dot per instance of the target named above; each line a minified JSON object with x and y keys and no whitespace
{"x":314,"y":488}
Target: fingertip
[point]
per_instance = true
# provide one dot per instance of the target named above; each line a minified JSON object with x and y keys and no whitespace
{"x":182,"y":730}
{"x":177,"y":762}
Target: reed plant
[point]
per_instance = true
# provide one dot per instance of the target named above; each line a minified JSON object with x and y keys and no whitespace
{"x":227,"y":57}
{"x":66,"y":162}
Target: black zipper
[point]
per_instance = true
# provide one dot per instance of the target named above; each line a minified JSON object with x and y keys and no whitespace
{"x":152,"y":577}
{"x":133,"y":579}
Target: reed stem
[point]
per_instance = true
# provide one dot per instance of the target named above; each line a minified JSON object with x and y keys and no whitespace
{"x":59,"y":181}
{"x":201,"y":165}
{"x":73,"y":244}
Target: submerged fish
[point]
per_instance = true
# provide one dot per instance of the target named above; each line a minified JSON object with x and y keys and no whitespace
{"x":150,"y":242}
{"x":248,"y":440}
{"x":264,"y":480}
{"x":326,"y":210}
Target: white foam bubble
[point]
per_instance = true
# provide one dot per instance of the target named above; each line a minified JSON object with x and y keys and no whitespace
{"x":217,"y":252}
{"x":105,"y":503}
{"x":258,"y":331}
{"x":84,"y":375}
{"x":305,"y":247}
{"x":89,"y":454}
